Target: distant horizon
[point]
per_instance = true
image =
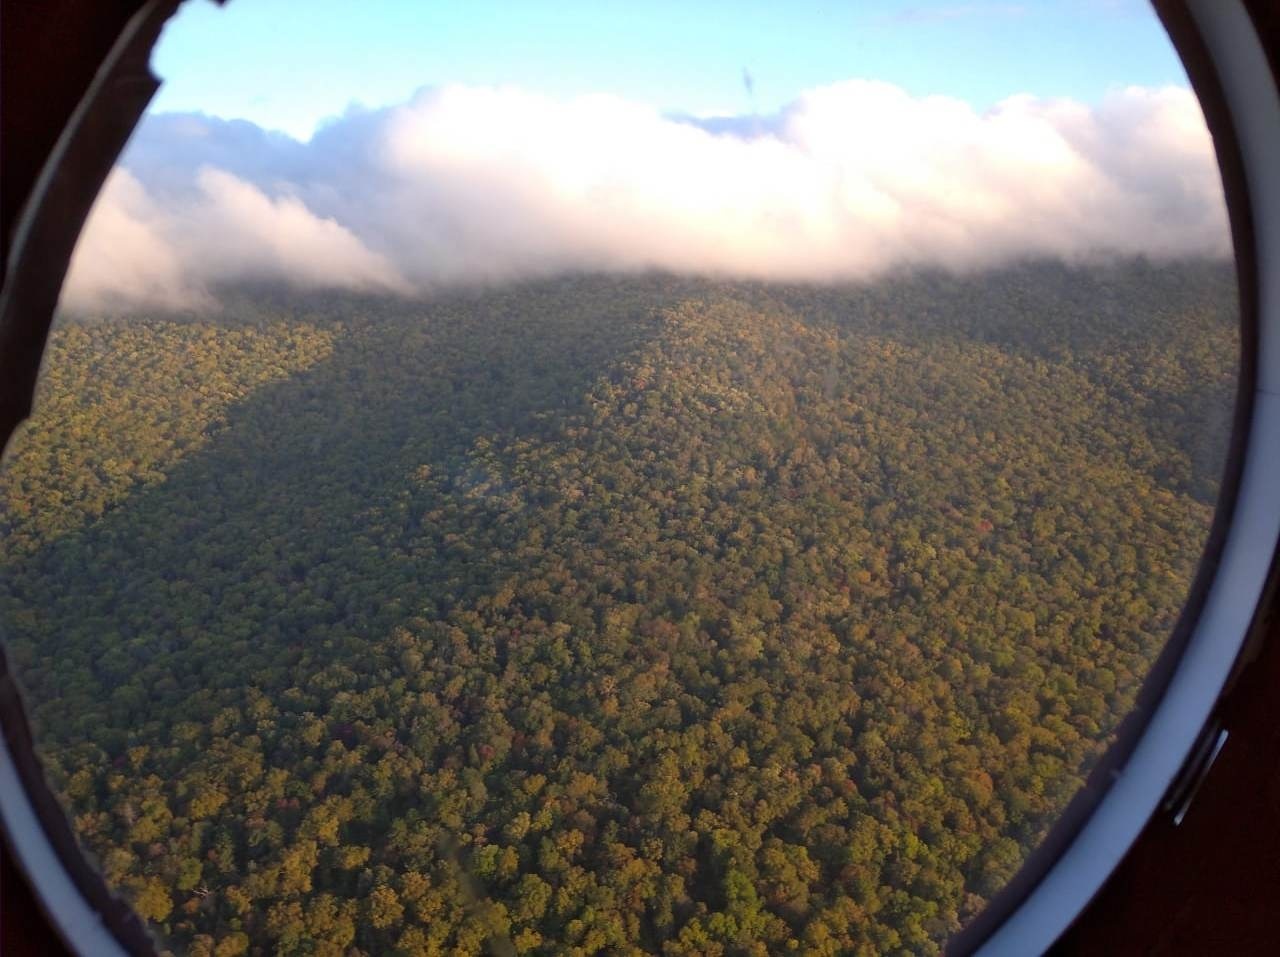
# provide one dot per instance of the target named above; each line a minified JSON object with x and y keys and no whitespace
{"x":228,"y":295}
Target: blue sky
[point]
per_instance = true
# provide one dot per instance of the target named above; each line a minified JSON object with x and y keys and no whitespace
{"x":288,"y":65}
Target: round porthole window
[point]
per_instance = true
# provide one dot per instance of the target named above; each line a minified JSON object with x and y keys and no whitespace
{"x":575,"y":479}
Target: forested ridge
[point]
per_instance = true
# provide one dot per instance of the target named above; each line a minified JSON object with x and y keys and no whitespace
{"x":605,"y":615}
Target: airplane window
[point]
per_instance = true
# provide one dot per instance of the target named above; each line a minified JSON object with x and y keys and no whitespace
{"x":571,"y":479}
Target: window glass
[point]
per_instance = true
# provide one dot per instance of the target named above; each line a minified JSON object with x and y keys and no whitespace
{"x":578,"y":478}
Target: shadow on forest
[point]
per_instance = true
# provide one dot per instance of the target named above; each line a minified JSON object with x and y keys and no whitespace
{"x":830,"y":711}
{"x":360,"y":493}
{"x":310,"y":526}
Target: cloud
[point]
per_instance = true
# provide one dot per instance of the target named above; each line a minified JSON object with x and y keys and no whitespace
{"x":137,"y":250}
{"x":473,"y":184}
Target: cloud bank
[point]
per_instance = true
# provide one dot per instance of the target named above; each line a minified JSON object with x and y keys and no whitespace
{"x":477,"y":184}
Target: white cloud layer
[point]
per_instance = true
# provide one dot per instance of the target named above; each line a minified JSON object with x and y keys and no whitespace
{"x":476,"y":184}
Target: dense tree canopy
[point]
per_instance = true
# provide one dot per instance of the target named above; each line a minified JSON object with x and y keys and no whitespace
{"x":605,"y":615}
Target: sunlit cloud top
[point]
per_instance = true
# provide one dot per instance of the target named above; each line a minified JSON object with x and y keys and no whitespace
{"x":483,"y":183}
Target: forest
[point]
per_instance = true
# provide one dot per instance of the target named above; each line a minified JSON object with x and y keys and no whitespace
{"x":605,"y":614}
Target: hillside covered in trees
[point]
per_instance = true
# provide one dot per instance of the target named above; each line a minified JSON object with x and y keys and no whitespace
{"x":605,"y":615}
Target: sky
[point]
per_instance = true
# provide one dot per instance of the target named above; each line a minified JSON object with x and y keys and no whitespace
{"x":399,"y":146}
{"x":269,"y":62}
